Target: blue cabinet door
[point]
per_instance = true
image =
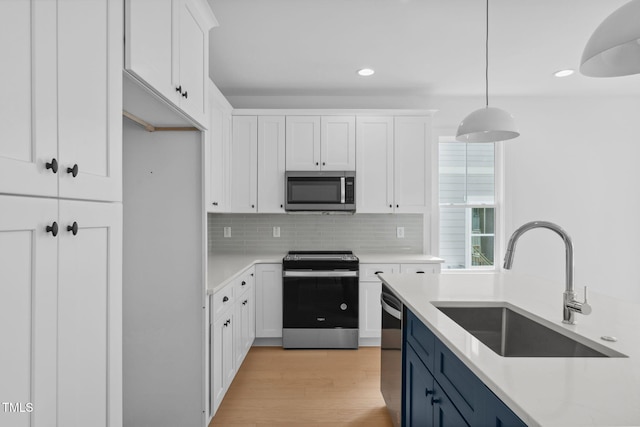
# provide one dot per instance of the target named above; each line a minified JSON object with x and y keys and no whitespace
{"x":445,"y":413}
{"x":418,"y":391}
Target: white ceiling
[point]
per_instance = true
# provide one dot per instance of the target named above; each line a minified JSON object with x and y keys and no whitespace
{"x":417,"y":47}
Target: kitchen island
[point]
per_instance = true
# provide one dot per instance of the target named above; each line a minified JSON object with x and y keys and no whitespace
{"x":549,"y":391}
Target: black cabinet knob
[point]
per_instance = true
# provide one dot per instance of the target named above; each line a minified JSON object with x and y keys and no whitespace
{"x":317,"y":163}
{"x":253,"y":206}
{"x":225,"y":299}
{"x":53,"y":229}
{"x":185,"y":94}
{"x":397,"y":206}
{"x":281,"y":206}
{"x":73,"y":228}
{"x":53,"y":165}
{"x":73,"y":171}
{"x":435,"y":400}
{"x":428,"y":392}
{"x":251,"y":274}
{"x":244,"y":283}
{"x":179,"y":89}
{"x":390,"y":206}
{"x":323,"y":164}
{"x":215,"y":203}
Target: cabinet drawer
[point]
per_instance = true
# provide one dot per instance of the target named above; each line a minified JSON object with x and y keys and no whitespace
{"x":418,"y":268}
{"x":368,"y":271}
{"x":222,"y":300}
{"x":461,"y":385}
{"x":244,"y":283}
{"x":420,"y":337}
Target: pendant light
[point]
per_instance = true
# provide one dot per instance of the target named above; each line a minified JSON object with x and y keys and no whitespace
{"x":488,"y":124}
{"x":614,"y":48}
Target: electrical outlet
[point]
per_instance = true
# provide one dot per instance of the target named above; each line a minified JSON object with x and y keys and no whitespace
{"x":400,"y":232}
{"x":276,"y":231}
{"x":227,"y":232}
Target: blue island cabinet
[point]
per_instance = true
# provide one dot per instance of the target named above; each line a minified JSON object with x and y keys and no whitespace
{"x":439,"y":390}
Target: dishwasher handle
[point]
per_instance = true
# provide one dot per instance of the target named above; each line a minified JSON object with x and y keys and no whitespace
{"x":388,"y":302}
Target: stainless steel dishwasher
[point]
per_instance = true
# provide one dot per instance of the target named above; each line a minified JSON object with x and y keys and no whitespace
{"x":391,"y":354}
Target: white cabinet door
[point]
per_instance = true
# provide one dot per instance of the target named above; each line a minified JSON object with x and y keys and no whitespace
{"x":412,"y":164}
{"x":90,"y":314}
{"x":338,"y":143}
{"x":148,"y":43}
{"x":245,"y":326}
{"x":193,"y":61}
{"x":374,"y":183}
{"x":28,"y":278}
{"x":370,"y":314}
{"x":90,"y":99}
{"x":244,"y":146}
{"x":269,"y":300}
{"x":222,"y":367}
{"x":271,"y":164}
{"x":28,"y":105}
{"x":218,"y":146}
{"x":303,"y":143}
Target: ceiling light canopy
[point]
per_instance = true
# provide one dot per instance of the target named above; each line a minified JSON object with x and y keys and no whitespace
{"x":366,"y":72}
{"x":564,"y":73}
{"x":488,"y":124}
{"x":614,"y":47}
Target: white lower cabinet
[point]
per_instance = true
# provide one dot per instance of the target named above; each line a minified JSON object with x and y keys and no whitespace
{"x":61,"y":294}
{"x":232,"y":333}
{"x":371,"y":287}
{"x":269,"y":301}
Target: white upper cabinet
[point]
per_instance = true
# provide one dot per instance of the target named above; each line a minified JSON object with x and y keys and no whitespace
{"x":303,"y":143}
{"x":244,"y":179}
{"x":321,"y":143}
{"x":271,"y":167}
{"x":167,"y":48}
{"x":30,"y":91}
{"x":63,"y":129}
{"x":374,"y":181}
{"x":412,"y":161}
{"x":338,"y":143}
{"x":217,"y":152}
{"x":90,"y":99}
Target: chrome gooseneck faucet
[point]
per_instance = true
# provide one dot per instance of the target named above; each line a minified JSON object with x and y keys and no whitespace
{"x":570,"y":304}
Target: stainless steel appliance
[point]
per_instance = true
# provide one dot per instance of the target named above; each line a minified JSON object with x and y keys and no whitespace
{"x":320,"y":299}
{"x":320,"y":191}
{"x":391,"y":354}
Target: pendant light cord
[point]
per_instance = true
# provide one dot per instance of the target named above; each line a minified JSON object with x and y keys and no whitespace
{"x":486,"y":60}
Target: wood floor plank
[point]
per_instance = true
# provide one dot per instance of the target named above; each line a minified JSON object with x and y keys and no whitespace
{"x":305,"y":388}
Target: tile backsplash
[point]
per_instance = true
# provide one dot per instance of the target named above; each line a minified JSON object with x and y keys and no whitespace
{"x":361,"y":233}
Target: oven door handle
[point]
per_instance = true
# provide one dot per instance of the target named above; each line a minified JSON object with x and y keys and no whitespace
{"x":319,"y":274}
{"x":388,"y":308}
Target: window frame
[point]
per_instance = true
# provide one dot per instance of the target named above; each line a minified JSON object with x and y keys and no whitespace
{"x":498,"y":207}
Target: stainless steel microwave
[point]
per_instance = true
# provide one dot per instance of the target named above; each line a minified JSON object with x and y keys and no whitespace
{"x":323,"y":191}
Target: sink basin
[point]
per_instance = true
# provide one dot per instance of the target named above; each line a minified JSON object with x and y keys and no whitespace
{"x":512,"y":333}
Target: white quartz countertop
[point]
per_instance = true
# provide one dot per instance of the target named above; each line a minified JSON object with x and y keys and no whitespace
{"x":549,"y":391}
{"x":223,"y":268}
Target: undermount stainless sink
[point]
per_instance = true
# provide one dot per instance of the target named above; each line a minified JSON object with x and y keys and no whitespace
{"x":513,"y":334}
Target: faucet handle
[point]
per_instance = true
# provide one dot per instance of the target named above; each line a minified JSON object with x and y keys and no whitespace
{"x":585,"y":307}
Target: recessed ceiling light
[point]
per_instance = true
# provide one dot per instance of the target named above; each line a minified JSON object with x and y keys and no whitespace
{"x":366,"y":72}
{"x":563,"y":73}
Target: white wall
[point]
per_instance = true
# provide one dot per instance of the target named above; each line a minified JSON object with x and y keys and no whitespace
{"x":576,"y":164}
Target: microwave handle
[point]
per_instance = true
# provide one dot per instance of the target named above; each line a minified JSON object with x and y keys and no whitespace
{"x":342,"y":190}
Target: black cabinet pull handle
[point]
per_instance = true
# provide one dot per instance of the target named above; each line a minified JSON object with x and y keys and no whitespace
{"x":53,"y":229}
{"x":73,"y":228}
{"x":378,"y":272}
{"x":435,"y":400}
{"x":185,"y":94}
{"x":225,"y":299}
{"x":179,"y":89}
{"x":53,"y":165}
{"x":215,"y":203}
{"x":244,"y":283}
{"x":419,"y":272}
{"x":428,"y":392}
{"x":73,"y":171}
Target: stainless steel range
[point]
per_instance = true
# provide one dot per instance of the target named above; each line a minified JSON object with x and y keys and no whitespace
{"x":320,"y":299}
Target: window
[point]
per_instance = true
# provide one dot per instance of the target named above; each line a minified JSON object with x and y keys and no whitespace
{"x":467,"y":204}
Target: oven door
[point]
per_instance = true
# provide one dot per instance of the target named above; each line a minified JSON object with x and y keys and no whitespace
{"x":313,"y":299}
{"x":391,"y":354}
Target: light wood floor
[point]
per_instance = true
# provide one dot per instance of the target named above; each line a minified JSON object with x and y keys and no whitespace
{"x":305,"y":388}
